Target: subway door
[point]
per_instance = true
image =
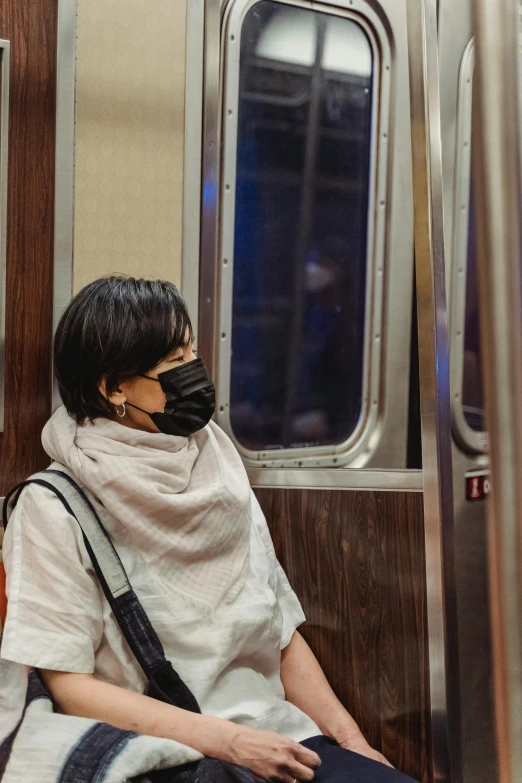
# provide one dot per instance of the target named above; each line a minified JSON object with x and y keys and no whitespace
{"x":28,"y":29}
{"x":470,"y":459}
{"x":305,"y":298}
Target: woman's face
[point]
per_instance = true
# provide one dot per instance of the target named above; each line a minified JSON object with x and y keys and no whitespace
{"x":146,"y":393}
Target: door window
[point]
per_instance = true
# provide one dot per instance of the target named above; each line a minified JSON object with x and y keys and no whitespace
{"x":302,"y":216}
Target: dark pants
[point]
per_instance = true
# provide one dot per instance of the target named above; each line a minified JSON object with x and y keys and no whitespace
{"x":337,"y":766}
{"x":344,"y":766}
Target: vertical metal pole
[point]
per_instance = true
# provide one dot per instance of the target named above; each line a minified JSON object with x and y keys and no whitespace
{"x":496,"y":145}
{"x":434,"y":386}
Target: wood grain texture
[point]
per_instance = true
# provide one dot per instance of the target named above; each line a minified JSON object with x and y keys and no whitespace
{"x":31,"y":27}
{"x":356,"y":561}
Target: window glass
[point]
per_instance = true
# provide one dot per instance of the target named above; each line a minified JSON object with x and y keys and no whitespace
{"x":301,"y":228}
{"x":472,"y":391}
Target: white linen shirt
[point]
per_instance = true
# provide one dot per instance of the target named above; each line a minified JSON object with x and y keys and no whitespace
{"x":59,"y":619}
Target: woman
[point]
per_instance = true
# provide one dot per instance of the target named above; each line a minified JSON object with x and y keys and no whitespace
{"x":135,"y":431}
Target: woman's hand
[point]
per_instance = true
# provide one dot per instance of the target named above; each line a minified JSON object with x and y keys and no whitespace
{"x":266,"y":753}
{"x":269,"y":755}
{"x":358,"y":744}
{"x":307,"y":687}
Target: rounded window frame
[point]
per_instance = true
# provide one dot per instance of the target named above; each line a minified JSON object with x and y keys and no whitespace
{"x":361,"y":440}
{"x":466,"y":436}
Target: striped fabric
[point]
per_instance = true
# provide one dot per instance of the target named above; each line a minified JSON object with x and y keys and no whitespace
{"x":91,"y":757}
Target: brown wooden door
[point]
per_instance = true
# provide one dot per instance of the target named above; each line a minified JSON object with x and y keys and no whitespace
{"x":31,"y":28}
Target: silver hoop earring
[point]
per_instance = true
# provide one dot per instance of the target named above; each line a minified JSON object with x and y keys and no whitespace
{"x":122,"y":414}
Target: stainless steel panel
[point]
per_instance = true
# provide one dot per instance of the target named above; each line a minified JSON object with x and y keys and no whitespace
{"x":64,"y":165}
{"x":479,"y":763}
{"x":4,"y":131}
{"x":328,"y":478}
{"x":496,"y":140}
{"x":192,"y":179}
{"x":210,"y":185}
{"x":434,"y":383}
{"x":477,"y":732}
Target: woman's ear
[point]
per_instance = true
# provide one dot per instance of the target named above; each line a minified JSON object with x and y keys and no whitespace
{"x":117,"y":397}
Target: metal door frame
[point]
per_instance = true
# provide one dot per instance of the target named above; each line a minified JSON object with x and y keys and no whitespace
{"x":434,"y":371}
{"x":456,"y":50}
{"x":497,"y":172}
{"x":385,"y":448}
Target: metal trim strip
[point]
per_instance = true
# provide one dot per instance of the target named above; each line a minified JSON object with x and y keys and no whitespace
{"x":64,"y":166}
{"x":210,"y":183}
{"x":337,"y":478}
{"x":192,"y":164}
{"x":434,"y":369}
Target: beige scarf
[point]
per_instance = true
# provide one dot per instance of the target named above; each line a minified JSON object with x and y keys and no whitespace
{"x":185,"y":502}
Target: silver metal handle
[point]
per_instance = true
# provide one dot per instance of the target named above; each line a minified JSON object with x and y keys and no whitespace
{"x":496,"y":150}
{"x":4,"y":130}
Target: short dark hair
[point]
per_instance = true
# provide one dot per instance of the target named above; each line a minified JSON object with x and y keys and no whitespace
{"x":116,"y":327}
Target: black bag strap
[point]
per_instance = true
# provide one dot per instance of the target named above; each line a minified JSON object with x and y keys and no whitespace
{"x":128,"y":611}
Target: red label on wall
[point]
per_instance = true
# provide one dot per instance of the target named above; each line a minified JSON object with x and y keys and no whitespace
{"x":477,"y":487}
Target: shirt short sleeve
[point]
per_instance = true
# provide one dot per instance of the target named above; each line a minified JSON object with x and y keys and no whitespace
{"x":291,"y":610}
{"x":55,"y":611}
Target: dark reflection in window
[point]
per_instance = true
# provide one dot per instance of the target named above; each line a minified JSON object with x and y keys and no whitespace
{"x":472,"y":392}
{"x":301,"y":217}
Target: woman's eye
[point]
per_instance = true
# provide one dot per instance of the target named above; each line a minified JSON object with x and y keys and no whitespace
{"x":181,"y":357}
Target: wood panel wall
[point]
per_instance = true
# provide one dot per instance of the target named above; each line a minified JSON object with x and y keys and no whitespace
{"x":356,"y":561}
{"x":31,"y":27}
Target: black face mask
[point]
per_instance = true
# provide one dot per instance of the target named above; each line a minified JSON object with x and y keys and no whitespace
{"x":191,"y":399}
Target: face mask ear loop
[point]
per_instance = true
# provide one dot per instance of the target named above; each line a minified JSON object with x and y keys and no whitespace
{"x":137,"y":408}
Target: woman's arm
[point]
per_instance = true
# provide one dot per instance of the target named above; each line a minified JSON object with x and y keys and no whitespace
{"x":266,"y":753}
{"x":307,"y":687}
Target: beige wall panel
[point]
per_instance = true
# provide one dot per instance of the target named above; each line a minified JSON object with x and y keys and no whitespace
{"x":129,"y":138}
